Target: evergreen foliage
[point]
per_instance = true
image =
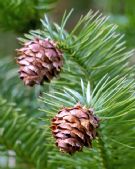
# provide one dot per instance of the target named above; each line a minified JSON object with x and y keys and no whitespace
{"x":97,"y":74}
{"x":22,"y":15}
{"x":121,"y":12}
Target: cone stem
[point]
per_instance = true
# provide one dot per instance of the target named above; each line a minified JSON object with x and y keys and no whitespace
{"x":104,"y":156}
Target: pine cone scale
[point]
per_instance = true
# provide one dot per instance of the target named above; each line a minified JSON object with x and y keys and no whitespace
{"x":39,"y":60}
{"x":74,"y":128}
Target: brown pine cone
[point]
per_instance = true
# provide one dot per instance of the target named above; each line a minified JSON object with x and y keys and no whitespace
{"x":74,"y":128}
{"x":39,"y":61}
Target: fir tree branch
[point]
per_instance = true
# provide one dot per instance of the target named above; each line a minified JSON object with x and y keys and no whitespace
{"x":23,"y":135}
{"x":98,"y":49}
{"x":104,"y":98}
{"x":105,"y":159}
{"x":93,"y":44}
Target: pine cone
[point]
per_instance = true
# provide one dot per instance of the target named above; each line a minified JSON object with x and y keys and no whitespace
{"x":39,"y":60}
{"x":74,"y":128}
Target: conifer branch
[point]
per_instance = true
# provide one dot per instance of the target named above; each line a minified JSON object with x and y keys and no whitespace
{"x":95,"y":46}
{"x":23,"y":135}
{"x":21,"y":15}
{"x":98,"y":49}
{"x":107,"y":93}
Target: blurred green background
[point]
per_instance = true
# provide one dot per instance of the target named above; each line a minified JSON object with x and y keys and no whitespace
{"x":20,"y":17}
{"x":121,"y":12}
